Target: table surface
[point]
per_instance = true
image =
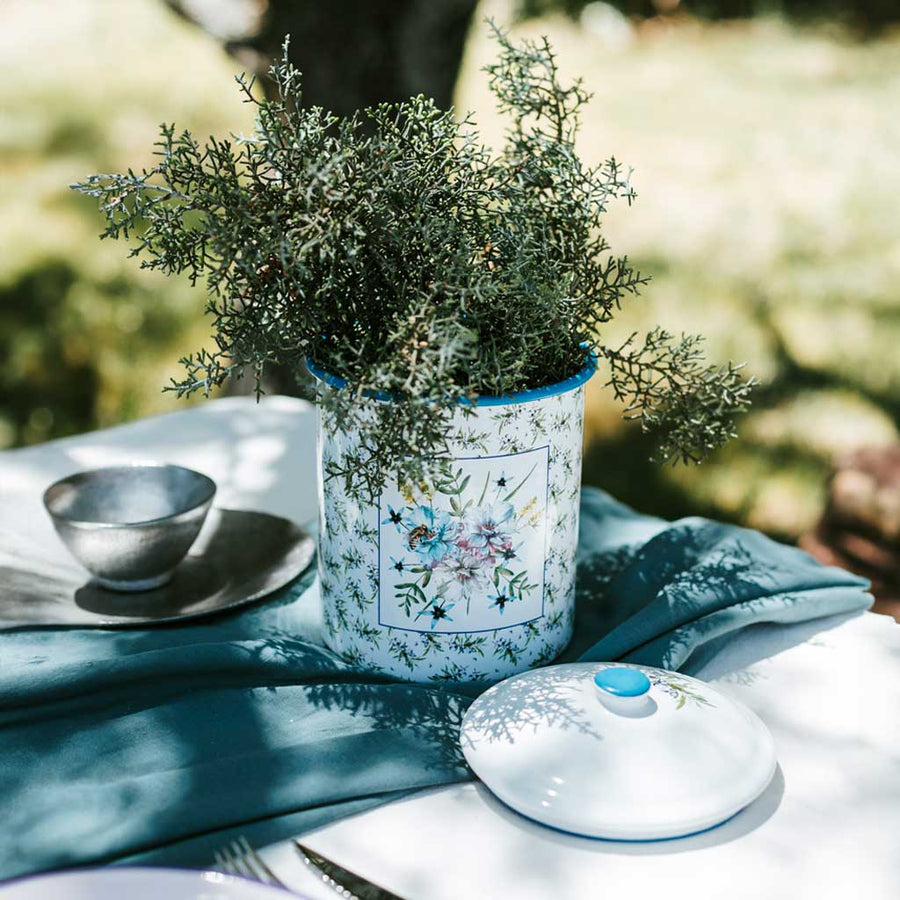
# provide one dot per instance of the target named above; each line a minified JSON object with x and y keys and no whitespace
{"x":827,"y":826}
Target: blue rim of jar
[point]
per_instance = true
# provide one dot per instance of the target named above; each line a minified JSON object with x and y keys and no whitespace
{"x":541,"y":393}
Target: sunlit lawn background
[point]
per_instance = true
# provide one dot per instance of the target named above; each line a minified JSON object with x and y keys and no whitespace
{"x":766,"y":163}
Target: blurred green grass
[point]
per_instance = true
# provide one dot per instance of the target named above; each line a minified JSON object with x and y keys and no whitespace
{"x":765,"y":161}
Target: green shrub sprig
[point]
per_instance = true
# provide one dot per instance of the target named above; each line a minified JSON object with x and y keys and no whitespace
{"x":393,"y":249}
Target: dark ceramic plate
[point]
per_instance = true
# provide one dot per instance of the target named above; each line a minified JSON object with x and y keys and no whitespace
{"x":240,"y":557}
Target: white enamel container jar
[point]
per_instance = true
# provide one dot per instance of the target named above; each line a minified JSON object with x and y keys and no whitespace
{"x":472,"y":579}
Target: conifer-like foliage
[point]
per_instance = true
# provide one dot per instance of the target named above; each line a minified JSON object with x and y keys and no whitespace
{"x":394,"y":250}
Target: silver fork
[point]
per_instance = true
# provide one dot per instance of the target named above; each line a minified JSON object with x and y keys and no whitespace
{"x":239,"y":858}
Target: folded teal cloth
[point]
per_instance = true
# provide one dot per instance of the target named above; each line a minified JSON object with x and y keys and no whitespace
{"x":160,"y":745}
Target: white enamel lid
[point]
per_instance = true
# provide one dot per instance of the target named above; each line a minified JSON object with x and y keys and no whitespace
{"x":617,"y":751}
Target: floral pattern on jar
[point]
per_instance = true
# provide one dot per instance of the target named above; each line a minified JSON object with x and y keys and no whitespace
{"x":468,"y":553}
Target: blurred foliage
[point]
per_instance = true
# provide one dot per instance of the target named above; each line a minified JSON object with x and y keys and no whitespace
{"x":867,"y":16}
{"x":86,"y":339}
{"x":764,"y":160}
{"x":765,"y":163}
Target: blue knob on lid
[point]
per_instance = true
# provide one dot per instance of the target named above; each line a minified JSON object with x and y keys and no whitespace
{"x":622,"y":681}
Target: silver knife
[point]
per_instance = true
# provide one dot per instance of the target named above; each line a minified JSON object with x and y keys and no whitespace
{"x":347,"y":884}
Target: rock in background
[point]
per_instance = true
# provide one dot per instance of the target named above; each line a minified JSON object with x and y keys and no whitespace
{"x":860,"y":528}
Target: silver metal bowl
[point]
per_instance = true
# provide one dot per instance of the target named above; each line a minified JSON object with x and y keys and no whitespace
{"x":130,"y":526}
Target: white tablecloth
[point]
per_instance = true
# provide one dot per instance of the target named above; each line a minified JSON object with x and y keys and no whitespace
{"x":828,"y":826}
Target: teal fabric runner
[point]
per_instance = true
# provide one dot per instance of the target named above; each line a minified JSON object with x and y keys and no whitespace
{"x":160,"y":745}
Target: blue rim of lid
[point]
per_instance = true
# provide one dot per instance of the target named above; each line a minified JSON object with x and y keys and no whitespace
{"x":622,"y":681}
{"x":541,"y":393}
